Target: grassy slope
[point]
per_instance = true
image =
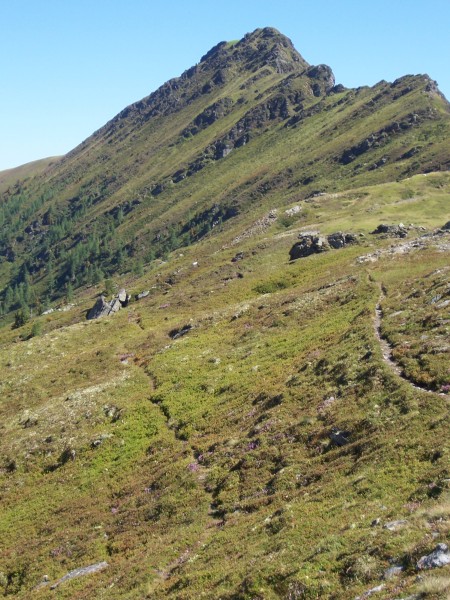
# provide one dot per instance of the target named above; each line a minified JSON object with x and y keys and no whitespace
{"x":215,"y":476}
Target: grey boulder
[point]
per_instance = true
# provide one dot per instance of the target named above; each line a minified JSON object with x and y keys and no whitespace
{"x":438,"y":558}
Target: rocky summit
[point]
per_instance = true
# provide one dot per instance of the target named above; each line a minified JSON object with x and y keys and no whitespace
{"x":225,"y":342}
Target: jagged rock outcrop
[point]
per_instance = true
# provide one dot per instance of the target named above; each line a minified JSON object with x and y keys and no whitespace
{"x":323,"y":79}
{"x":311,"y":243}
{"x":391,"y":230}
{"x":381,"y":137}
{"x":123,"y":297}
{"x":308,"y":244}
{"x":103,"y":308}
{"x":340,"y":239}
{"x":210,"y":115}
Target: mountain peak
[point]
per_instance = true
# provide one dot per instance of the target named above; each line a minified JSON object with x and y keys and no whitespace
{"x":262,"y":47}
{"x":265,"y":33}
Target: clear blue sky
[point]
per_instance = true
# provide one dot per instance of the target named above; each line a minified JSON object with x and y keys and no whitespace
{"x":68,"y":66}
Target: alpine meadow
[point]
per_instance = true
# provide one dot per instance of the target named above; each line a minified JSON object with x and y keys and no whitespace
{"x":225,"y":343}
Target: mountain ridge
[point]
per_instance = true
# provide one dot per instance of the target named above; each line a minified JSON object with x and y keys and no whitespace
{"x":253,"y":94}
{"x":238,"y":99}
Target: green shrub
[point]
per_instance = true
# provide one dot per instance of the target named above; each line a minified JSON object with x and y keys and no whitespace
{"x":36,"y":329}
{"x":268,"y":287}
{"x":21,"y":317}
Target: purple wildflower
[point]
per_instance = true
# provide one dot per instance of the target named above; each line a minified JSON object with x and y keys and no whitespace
{"x":253,"y":445}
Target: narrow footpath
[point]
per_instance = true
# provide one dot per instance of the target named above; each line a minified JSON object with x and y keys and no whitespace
{"x":386,"y":350}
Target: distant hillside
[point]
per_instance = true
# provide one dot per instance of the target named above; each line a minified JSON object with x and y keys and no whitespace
{"x":9,"y":177}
